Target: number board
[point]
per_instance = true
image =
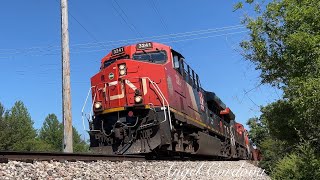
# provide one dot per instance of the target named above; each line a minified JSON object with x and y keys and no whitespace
{"x":145,"y":45}
{"x":117,"y":51}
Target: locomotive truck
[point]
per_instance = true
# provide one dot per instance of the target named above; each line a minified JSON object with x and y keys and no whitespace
{"x":146,"y":99}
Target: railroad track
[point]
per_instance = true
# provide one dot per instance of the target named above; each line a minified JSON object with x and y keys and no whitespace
{"x":5,"y":156}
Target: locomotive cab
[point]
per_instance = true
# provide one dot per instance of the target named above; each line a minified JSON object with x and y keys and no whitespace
{"x":130,"y":100}
{"x":124,"y":75}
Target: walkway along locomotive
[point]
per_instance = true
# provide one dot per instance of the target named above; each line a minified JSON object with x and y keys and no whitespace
{"x":147,"y":99}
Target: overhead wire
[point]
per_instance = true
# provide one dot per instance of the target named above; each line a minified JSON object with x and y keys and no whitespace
{"x":98,"y":48}
{"x":245,"y":92}
{"x":116,"y":44}
{"x":169,"y":41}
{"x":121,"y":42}
{"x":174,"y":34}
{"x":163,"y":22}
{"x":97,"y":44}
{"x":55,"y":50}
{"x":125,"y":18}
{"x":227,"y":28}
{"x":88,"y":32}
{"x":48,"y":49}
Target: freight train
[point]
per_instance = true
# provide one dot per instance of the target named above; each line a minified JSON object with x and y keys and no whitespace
{"x":147,"y":100}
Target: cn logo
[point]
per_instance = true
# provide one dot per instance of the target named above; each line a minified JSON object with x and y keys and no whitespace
{"x":201,"y":101}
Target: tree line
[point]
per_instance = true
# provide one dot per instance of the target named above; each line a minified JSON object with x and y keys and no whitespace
{"x":18,"y":134}
{"x":284,"y":46}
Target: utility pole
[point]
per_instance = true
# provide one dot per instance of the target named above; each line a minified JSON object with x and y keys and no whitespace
{"x":66,"y":94}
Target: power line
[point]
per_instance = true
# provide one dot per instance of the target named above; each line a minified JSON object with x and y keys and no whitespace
{"x":131,"y":42}
{"x":170,"y":41}
{"x":162,"y":19}
{"x":155,"y":9}
{"x":45,"y":65}
{"x":172,"y":38}
{"x":120,"y":42}
{"x":89,"y":33}
{"x":197,"y":32}
{"x":125,"y":18}
{"x":176,"y":35}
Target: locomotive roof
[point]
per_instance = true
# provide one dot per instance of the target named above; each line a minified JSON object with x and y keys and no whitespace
{"x":177,"y":53}
{"x":211,"y":96}
{"x":133,"y":47}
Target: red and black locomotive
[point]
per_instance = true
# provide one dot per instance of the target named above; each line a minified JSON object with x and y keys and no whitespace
{"x":147,"y":99}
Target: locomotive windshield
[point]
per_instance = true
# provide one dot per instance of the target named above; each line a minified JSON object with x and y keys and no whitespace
{"x":107,"y":63}
{"x":155,"y":56}
{"x":112,"y":60}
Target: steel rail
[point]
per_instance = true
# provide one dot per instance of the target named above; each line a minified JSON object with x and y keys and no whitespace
{"x":5,"y":156}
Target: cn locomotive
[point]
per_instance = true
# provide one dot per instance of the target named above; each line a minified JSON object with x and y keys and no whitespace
{"x":147,"y":100}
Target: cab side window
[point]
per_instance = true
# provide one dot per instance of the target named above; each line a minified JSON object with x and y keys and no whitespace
{"x":176,"y":63}
{"x":198,"y":82}
{"x":182,"y":67}
{"x":188,"y":74}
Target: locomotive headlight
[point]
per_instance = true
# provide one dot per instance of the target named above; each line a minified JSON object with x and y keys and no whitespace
{"x":122,"y":72}
{"x":122,"y":69}
{"x":138,"y":99}
{"x":97,"y":105}
{"x":122,"y":66}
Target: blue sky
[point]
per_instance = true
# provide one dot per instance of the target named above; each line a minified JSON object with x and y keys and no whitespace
{"x":30,"y":57}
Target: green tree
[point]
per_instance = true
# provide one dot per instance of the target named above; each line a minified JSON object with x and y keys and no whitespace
{"x":258,"y":130}
{"x":300,"y":164}
{"x":305,"y":99}
{"x":273,"y":150}
{"x":2,"y":110}
{"x":79,"y":145}
{"x":284,"y":40}
{"x":284,"y":45}
{"x":17,"y":128}
{"x":278,"y":117}
{"x":37,"y":144}
{"x":2,"y":126}
{"x":52,"y":134}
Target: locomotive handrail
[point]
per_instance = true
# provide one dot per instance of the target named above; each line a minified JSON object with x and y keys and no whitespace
{"x":163,"y":101}
{"x":156,"y":87}
{"x":84,"y":105}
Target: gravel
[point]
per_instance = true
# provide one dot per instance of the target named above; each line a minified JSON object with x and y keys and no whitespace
{"x":132,"y":170}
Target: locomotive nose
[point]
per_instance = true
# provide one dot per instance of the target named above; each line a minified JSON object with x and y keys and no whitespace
{"x":117,"y":86}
